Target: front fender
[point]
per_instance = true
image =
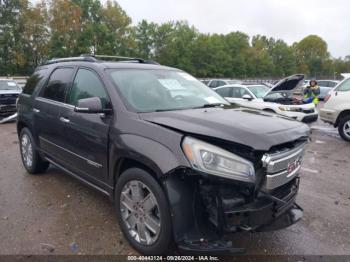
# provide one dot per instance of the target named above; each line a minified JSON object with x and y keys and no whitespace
{"x":152,"y":154}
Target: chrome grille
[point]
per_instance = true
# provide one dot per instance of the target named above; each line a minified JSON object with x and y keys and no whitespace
{"x":282,"y":167}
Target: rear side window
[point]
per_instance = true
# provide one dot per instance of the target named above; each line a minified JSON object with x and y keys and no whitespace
{"x":224,"y":92}
{"x":87,"y":84}
{"x":57,"y":84}
{"x":34,"y":82}
{"x":345,"y":86}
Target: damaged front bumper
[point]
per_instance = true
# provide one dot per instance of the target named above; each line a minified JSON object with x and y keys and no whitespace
{"x":205,"y":210}
{"x":10,"y":118}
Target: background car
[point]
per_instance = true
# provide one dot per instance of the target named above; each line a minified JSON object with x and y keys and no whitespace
{"x":336,"y":110}
{"x":9,"y":91}
{"x":278,"y":99}
{"x":221,"y":82}
{"x":325,"y":87}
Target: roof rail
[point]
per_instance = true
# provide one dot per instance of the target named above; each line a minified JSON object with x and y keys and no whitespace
{"x":70,"y":59}
{"x":121,"y":58}
{"x":96,"y":58}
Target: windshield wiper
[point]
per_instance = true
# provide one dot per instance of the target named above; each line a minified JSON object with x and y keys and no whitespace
{"x":210,"y":105}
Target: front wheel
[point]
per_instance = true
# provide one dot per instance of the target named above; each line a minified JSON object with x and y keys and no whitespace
{"x":344,"y":128}
{"x":143,"y":212}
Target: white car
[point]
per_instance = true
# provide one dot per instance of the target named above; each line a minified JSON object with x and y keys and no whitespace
{"x":278,"y":99}
{"x":213,"y":83}
{"x":336,"y":109}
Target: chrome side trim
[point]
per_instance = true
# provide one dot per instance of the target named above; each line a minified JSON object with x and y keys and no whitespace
{"x":90,"y":162}
{"x":57,"y":103}
{"x":77,"y":176}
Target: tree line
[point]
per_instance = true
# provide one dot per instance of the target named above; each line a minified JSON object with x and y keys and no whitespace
{"x":31,"y":34}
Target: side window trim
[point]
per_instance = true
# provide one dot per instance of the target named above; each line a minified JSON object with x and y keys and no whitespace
{"x":74,"y":77}
{"x":42,"y":88}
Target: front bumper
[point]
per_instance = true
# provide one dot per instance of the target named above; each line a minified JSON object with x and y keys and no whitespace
{"x":328,"y":116}
{"x":310,"y":118}
{"x":205,"y":210}
{"x":7,"y":110}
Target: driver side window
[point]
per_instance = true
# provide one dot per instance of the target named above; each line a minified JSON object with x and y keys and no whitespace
{"x":86,"y":85}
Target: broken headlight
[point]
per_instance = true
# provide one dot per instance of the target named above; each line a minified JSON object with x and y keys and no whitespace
{"x":217,"y":161}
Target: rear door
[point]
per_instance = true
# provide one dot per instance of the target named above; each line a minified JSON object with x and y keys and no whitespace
{"x":86,"y":135}
{"x":46,"y":108}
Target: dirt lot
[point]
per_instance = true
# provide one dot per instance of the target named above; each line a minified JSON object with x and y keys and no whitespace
{"x":55,"y":214}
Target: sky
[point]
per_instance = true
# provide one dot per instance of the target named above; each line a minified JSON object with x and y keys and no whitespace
{"x":290,"y":20}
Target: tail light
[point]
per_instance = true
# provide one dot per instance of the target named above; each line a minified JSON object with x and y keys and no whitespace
{"x":327,"y":98}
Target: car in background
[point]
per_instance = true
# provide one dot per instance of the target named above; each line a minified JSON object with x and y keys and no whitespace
{"x":278,"y":99}
{"x":205,"y":81}
{"x":221,"y":82}
{"x":336,"y":109}
{"x":9,"y":92}
{"x":325,"y":87}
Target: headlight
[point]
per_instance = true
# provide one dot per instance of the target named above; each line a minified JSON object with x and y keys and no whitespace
{"x":286,"y":108}
{"x":216,"y":161}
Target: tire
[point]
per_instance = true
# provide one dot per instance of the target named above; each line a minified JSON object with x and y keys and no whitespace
{"x":162,"y":242}
{"x":32,"y":162}
{"x":344,"y":128}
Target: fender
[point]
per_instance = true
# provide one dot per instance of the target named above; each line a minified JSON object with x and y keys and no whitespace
{"x":152,"y":154}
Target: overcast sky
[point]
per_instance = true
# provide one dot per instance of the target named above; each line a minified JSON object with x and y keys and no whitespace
{"x":290,"y":20}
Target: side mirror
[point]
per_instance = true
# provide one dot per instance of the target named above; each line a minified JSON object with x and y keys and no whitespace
{"x":92,"y":105}
{"x":247,"y":97}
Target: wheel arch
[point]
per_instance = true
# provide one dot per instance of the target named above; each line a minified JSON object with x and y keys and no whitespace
{"x":341,"y":115}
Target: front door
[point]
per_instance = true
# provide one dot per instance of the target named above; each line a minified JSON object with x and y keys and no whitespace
{"x":86,"y":135}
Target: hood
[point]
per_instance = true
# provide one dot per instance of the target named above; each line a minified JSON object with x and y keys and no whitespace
{"x":256,"y":129}
{"x":287,"y":84}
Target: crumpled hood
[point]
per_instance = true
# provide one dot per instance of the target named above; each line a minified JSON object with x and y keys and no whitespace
{"x":256,"y":129}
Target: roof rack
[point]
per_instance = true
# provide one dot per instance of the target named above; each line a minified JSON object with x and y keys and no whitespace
{"x":70,"y":59}
{"x":96,"y":58}
{"x":121,"y":58}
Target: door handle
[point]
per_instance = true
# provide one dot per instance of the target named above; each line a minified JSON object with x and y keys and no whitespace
{"x":35,"y":110}
{"x":64,"y":119}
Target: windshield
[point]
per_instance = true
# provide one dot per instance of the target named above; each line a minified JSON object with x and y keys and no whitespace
{"x":9,"y":85}
{"x":163,"y":90}
{"x":259,"y":91}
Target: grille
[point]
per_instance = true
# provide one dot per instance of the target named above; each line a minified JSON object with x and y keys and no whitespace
{"x":8,"y":99}
{"x":282,"y":167}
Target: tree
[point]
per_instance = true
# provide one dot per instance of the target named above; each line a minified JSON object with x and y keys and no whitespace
{"x":311,"y":53}
{"x":36,"y":34}
{"x":12,"y":54}
{"x":65,"y":24}
{"x":145,"y":39}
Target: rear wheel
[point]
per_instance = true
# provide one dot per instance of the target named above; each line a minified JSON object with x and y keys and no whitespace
{"x":31,"y":158}
{"x":344,"y":128}
{"x":143,"y":212}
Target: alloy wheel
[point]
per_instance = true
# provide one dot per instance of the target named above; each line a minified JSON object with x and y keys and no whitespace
{"x":140,"y":212}
{"x":27,"y":150}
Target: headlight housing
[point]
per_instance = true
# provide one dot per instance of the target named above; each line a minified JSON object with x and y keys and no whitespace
{"x":217,"y":161}
{"x":291,"y":109}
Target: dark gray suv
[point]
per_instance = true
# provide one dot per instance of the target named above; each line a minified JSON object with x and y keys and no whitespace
{"x":179,"y":162}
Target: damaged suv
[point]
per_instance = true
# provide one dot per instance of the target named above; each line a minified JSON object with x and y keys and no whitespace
{"x":180,"y":163}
